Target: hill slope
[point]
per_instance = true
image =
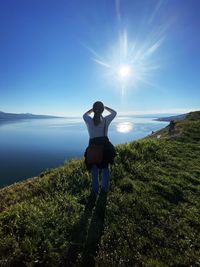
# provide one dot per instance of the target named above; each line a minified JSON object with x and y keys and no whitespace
{"x":176,"y":117}
{"x":150,"y":217}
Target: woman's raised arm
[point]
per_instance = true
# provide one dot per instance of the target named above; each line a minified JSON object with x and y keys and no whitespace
{"x":86,"y":116}
{"x":112,"y":111}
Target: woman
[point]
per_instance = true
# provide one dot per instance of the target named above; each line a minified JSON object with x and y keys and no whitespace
{"x":98,"y":129}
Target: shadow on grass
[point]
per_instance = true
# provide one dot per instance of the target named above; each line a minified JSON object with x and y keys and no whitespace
{"x":87,"y":233}
{"x":95,"y":232}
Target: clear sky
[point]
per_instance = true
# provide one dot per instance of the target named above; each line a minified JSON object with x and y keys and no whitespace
{"x":137,"y":56}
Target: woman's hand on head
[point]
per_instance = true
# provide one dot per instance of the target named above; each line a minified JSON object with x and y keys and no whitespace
{"x":90,"y":111}
{"x":107,"y":108}
{"x":110,"y":110}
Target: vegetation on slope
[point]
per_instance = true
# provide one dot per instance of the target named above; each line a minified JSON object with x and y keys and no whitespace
{"x":150,"y":217}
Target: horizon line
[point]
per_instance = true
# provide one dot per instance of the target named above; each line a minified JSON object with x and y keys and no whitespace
{"x":126,"y":113}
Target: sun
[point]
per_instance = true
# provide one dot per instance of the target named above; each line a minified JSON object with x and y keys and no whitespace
{"x":124,"y":71}
{"x":130,"y":62}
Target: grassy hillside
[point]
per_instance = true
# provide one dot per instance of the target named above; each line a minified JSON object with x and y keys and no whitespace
{"x":186,"y":130}
{"x":150,"y":217}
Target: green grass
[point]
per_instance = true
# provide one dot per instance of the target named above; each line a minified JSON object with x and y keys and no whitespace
{"x":150,"y":217}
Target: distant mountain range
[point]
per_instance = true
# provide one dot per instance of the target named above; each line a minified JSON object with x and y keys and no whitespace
{"x":176,"y":118}
{"x":14,"y":116}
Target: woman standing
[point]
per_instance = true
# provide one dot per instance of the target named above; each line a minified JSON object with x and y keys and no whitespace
{"x":98,"y":129}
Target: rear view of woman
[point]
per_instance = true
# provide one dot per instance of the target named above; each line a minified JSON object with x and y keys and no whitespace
{"x":100,"y":152}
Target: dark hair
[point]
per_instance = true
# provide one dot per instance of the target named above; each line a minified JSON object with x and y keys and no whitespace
{"x":98,"y":108}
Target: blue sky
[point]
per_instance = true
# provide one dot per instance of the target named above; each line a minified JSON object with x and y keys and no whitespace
{"x":59,"y":56}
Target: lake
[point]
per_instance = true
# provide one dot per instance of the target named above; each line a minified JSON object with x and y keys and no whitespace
{"x":28,"y":147}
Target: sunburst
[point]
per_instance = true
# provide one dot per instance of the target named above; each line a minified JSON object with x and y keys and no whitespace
{"x":129,"y":63}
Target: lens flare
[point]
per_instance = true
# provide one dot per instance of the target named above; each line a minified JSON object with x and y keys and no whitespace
{"x":137,"y":52}
{"x":127,"y":56}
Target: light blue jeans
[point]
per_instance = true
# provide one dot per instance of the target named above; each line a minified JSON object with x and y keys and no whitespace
{"x":95,"y":179}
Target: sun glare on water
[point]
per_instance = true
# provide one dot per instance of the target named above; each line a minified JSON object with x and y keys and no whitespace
{"x":124,"y":127}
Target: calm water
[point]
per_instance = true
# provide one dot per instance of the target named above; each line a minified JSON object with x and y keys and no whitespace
{"x":28,"y":147}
